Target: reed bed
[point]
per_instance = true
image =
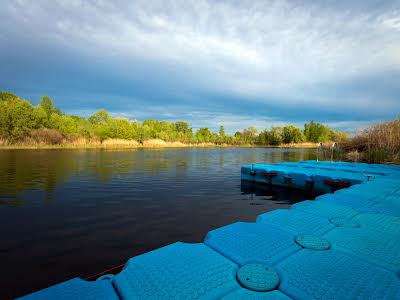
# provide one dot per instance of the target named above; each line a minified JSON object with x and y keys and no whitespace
{"x":32,"y":143}
{"x":378,"y":143}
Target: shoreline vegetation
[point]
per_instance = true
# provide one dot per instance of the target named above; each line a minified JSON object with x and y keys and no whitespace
{"x":378,"y":143}
{"x":25,"y":125}
{"x":44,"y":126}
{"x":133,"y":144}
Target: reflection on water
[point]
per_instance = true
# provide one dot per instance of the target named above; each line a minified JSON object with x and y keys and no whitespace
{"x":68,"y":213}
{"x":280,"y":195}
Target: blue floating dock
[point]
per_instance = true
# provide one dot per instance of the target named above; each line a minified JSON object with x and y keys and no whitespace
{"x":343,"y":245}
{"x":380,"y":249}
{"x":246,"y":243}
{"x":379,"y":222}
{"x":76,"y":289}
{"x":330,"y":274}
{"x":185,"y":271}
{"x":296,"y":221}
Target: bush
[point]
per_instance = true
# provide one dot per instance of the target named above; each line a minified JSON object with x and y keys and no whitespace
{"x":315,"y":132}
{"x":379,"y":142}
{"x":46,"y":136}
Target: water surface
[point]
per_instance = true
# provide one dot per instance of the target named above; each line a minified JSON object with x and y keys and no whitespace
{"x":74,"y":213}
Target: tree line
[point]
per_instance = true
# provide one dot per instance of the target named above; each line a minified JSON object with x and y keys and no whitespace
{"x":45,"y":123}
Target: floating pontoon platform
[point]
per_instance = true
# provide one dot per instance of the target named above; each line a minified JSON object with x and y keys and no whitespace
{"x":343,"y":245}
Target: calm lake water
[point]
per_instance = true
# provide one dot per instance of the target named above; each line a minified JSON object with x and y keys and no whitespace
{"x":75,"y":213}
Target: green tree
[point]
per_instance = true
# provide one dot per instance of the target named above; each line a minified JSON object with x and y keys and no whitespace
{"x":121,"y":129}
{"x":214,"y":138}
{"x":47,"y":105}
{"x":203,"y":135}
{"x":16,"y":118}
{"x":292,"y":134}
{"x":66,"y":125}
{"x":6,"y":96}
{"x":249,"y":135}
{"x":40,"y":117}
{"x":221,"y":132}
{"x":100,"y":117}
{"x":275,"y":136}
{"x":185,"y":133}
{"x":102,"y":124}
{"x":263,"y":137}
{"x":338,"y":136}
{"x":316,"y":132}
{"x":138,"y":131}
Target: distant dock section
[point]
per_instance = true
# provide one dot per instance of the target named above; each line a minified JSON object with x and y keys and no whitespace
{"x":322,"y":177}
{"x":343,"y":245}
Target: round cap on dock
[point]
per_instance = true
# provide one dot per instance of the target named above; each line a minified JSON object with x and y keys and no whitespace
{"x":258,"y":277}
{"x":342,"y":222}
{"x":312,"y":242}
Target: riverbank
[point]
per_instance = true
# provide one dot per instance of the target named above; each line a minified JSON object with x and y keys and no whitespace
{"x":378,"y":143}
{"x":132,"y":144}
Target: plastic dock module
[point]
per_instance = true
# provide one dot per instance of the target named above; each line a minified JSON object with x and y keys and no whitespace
{"x":296,"y":221}
{"x":343,"y":245}
{"x":387,"y":208}
{"x":298,"y":177}
{"x":327,"y":210}
{"x":246,"y":243}
{"x":78,"y":289}
{"x":182,"y":271}
{"x":369,"y":191}
{"x":380,"y":167}
{"x":379,"y":222}
{"x":330,"y":274}
{"x":332,"y":167}
{"x":356,"y":202}
{"x":373,"y":246}
{"x":243,"y":294}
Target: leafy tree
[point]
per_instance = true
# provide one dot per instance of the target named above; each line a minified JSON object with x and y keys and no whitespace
{"x":263,"y":137}
{"x":182,"y":127}
{"x":221,"y":132}
{"x":16,"y":118}
{"x":47,"y":105}
{"x":40,"y":117}
{"x":138,"y":131}
{"x":338,"y":136}
{"x":292,"y":134}
{"x":237,"y":135}
{"x":316,"y":132}
{"x":101,"y":122}
{"x":249,"y":135}
{"x":6,"y":96}
{"x":121,"y":128}
{"x":275,"y":136}
{"x":84,"y":127}
{"x":66,"y":125}
{"x":214,"y":138}
{"x":184,"y":132}
{"x":100,"y":117}
{"x":203,"y":135}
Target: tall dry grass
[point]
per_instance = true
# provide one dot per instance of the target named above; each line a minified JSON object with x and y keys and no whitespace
{"x":3,"y":142}
{"x":120,"y":143}
{"x":378,"y":143}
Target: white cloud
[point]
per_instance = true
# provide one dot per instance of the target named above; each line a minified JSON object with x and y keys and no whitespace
{"x":266,"y":51}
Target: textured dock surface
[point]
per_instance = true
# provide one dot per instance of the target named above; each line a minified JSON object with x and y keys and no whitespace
{"x":343,"y":245}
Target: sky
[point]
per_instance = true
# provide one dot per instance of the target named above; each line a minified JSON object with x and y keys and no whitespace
{"x":210,"y":63}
